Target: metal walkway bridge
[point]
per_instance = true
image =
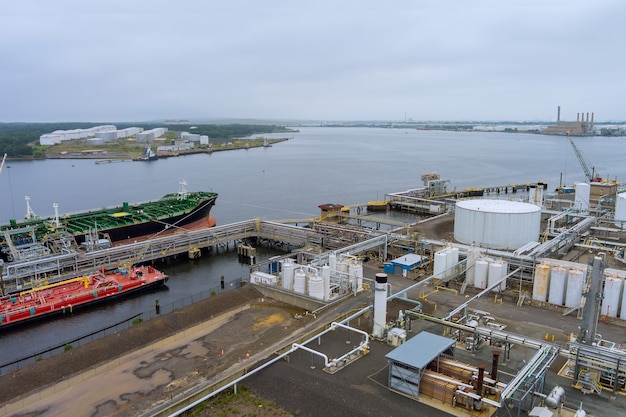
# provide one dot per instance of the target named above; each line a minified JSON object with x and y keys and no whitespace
{"x":23,"y":275}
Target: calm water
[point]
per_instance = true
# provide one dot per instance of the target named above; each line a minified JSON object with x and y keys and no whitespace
{"x":287,"y":180}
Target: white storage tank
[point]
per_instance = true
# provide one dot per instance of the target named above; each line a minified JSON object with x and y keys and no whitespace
{"x":581,"y":196}
{"x":620,"y":209}
{"x":480,"y":279}
{"x":452,"y":258}
{"x":472,"y":256}
{"x":494,"y":274}
{"x":612,"y":294}
{"x":540,"y":284}
{"x":299,"y":281}
{"x":356,"y":276}
{"x":316,"y":286}
{"x":326,"y":278}
{"x":441,"y":263}
{"x":498,"y":224}
{"x":575,"y":285}
{"x":288,"y":271}
{"x":557,"y":285}
{"x":505,"y":272}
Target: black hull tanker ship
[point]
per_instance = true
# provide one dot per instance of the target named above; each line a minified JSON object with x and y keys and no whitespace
{"x":35,"y":237}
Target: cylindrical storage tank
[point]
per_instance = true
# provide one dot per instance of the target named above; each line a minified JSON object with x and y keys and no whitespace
{"x":620,"y":209}
{"x":480,"y":279}
{"x":332,"y":261}
{"x":326,"y":278}
{"x":288,"y":271}
{"x":557,"y":285}
{"x":356,"y":276}
{"x":575,"y":285}
{"x":316,"y":286}
{"x":452,"y":258}
{"x":612,"y":294}
{"x":441,"y":263}
{"x":494,"y":274}
{"x":540,"y":284}
{"x":299,"y":281}
{"x":472,"y":256}
{"x":498,"y":224}
{"x":582,"y":195}
{"x":505,"y":272}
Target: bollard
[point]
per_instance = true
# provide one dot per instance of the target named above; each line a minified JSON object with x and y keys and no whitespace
{"x":222,"y":281}
{"x":157,"y":306}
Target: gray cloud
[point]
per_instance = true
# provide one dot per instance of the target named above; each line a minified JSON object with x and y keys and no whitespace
{"x":448,"y":60}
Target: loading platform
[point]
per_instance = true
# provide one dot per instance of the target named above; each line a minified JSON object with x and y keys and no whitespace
{"x":47,"y":270}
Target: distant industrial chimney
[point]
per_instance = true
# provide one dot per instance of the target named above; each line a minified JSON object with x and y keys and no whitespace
{"x":558,"y":114}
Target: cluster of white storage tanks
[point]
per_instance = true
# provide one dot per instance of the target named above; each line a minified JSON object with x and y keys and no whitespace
{"x":445,"y":261}
{"x":563,"y":285}
{"x":489,"y":271}
{"x":316,"y":282}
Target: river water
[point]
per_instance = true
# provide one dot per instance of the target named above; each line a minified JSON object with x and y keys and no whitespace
{"x":288,"y":180}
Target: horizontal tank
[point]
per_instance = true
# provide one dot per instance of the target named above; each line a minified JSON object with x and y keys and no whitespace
{"x":498,"y":224}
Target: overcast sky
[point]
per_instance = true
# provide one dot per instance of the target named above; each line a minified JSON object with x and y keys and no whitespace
{"x":120,"y":60}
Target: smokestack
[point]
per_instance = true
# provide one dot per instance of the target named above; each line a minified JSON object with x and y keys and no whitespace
{"x":481,"y":379}
{"x":587,"y":121}
{"x":494,"y":365}
{"x":558,"y":114}
{"x":577,"y":117}
{"x":380,"y":305}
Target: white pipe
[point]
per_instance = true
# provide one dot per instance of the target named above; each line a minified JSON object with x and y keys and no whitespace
{"x":315,"y":352}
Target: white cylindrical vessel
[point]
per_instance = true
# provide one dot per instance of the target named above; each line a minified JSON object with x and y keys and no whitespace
{"x":356,"y":276}
{"x":452,"y":258}
{"x":299,"y":281}
{"x":472,"y":256}
{"x":332,"y":262}
{"x":316,"y":286}
{"x":288,"y":271}
{"x":480,"y":279}
{"x":380,"y":305}
{"x":575,"y":285}
{"x":505,"y":272}
{"x":326,"y":278}
{"x":612,"y":294}
{"x":540,"y":284}
{"x":581,"y":197}
{"x":557,"y":285}
{"x":494,"y":274}
{"x":620,"y":209}
{"x":441,"y":263}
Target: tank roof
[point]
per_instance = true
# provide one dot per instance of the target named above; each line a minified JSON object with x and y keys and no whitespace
{"x":497,"y":206}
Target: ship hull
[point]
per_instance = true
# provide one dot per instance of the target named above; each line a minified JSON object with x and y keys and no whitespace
{"x":65,"y":298}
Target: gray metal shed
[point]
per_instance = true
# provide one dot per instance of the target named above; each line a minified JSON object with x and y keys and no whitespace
{"x":408,"y":361}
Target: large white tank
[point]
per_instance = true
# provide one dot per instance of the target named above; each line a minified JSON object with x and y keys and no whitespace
{"x":288,"y":271}
{"x":299,"y":281}
{"x":557,"y":285}
{"x":612,"y":294}
{"x":441,"y":263}
{"x":620,"y":209}
{"x":581,"y":196}
{"x":356,"y":276}
{"x":540,"y":284}
{"x":575,"y":285}
{"x":497,"y":224}
{"x":316,"y":286}
{"x":494,"y":274}
{"x":480,"y":279}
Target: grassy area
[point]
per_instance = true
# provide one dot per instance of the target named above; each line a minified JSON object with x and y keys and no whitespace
{"x":242,"y":404}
